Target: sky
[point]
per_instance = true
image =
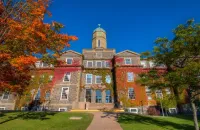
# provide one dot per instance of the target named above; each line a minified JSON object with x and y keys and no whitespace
{"x":130,"y":24}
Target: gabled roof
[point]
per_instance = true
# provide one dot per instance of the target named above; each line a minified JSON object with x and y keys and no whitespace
{"x":128,"y":52}
{"x":72,"y":52}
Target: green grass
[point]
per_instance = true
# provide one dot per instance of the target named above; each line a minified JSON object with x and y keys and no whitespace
{"x":44,"y":121}
{"x":138,"y":122}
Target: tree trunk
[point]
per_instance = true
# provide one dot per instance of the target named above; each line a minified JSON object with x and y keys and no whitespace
{"x":196,"y":125}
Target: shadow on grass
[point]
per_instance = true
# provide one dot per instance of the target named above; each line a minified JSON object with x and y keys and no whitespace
{"x":131,"y":118}
{"x":29,"y":116}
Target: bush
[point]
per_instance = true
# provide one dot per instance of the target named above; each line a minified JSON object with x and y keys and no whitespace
{"x":153,"y":111}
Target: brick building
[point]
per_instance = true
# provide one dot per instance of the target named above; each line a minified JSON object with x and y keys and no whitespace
{"x":96,"y":79}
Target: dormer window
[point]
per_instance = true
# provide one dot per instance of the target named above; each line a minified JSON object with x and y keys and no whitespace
{"x":128,"y":61}
{"x":99,"y":43}
{"x":69,"y":61}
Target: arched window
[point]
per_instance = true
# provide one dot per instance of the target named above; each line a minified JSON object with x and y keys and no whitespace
{"x":99,"y":43}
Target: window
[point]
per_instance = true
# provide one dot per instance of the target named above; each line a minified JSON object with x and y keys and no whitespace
{"x":47,"y":95}
{"x":107,"y":64}
{"x":50,"y":77}
{"x":89,"y":64}
{"x":2,"y":108}
{"x":108,"y":96}
{"x":134,"y":110}
{"x":130,"y":76}
{"x":88,"y":78}
{"x":98,"y":64}
{"x":148,"y":93}
{"x":151,"y":64}
{"x":67,"y":77}
{"x":37,"y":64}
{"x":45,"y":64}
{"x":64,"y":93}
{"x":131,"y":93}
{"x":159,"y":94}
{"x":167,"y":90}
{"x":37,"y":97}
{"x":172,"y":111}
{"x":5,"y":95}
{"x":88,"y":95}
{"x":127,"y":61}
{"x":99,"y":43}
{"x":98,"y":79}
{"x":98,"y":96}
{"x":69,"y":61}
{"x":108,"y":79}
{"x":143,"y":63}
{"x":62,"y":109}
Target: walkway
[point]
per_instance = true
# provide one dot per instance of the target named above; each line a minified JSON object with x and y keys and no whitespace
{"x":104,"y":121}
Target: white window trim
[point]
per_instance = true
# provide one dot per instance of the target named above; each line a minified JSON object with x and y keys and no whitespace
{"x":101,"y":64}
{"x":62,"y":108}
{"x":125,"y":61}
{"x":105,"y":64}
{"x":137,"y":111}
{"x":4,"y":108}
{"x":69,"y":58}
{"x":132,"y":79}
{"x":172,"y":108}
{"x":96,"y":79}
{"x":3,"y":96}
{"x":86,"y":79}
{"x":69,"y":77}
{"x":90,"y":61}
{"x":161,"y":93}
{"x":43,"y":65}
{"x":67,"y":94}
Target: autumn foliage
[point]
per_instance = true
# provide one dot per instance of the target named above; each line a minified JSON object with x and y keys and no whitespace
{"x":24,"y":36}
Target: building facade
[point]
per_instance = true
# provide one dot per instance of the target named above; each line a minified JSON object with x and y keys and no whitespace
{"x":99,"y":78}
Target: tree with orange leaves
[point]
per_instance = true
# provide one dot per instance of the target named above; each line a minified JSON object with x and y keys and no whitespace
{"x":24,"y":36}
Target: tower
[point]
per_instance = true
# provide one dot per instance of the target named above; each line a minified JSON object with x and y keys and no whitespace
{"x":99,"y":38}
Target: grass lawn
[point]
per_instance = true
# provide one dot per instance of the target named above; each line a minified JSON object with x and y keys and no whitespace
{"x":138,"y":122}
{"x":44,"y":121}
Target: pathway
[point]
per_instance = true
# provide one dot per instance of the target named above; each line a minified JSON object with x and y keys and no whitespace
{"x":104,"y":121}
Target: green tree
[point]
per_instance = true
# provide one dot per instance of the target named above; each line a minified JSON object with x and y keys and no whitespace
{"x":180,"y":56}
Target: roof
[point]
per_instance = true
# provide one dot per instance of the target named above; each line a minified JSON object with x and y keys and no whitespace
{"x":99,"y":29}
{"x":71,"y":51}
{"x":129,"y":52}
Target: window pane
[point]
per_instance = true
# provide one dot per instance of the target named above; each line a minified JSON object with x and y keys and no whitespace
{"x":67,"y":76}
{"x":98,"y":96}
{"x":47,"y":95}
{"x":99,"y":64}
{"x":127,"y":61}
{"x":108,"y":79}
{"x":130,"y":76}
{"x":89,"y":63}
{"x":88,"y":78}
{"x":45,"y":64}
{"x":65,"y":92}
{"x":88,"y":95}
{"x":107,"y":64}
{"x":108,"y":96}
{"x":131,"y":93}
{"x":69,"y":61}
{"x":98,"y":80}
{"x":6,"y":95}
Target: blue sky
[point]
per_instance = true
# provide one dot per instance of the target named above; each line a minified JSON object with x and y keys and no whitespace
{"x":130,"y":24}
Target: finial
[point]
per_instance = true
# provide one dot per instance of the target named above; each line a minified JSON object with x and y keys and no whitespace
{"x":99,"y":25}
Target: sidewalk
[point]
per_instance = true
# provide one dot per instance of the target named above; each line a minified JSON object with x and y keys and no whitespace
{"x":104,"y":121}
